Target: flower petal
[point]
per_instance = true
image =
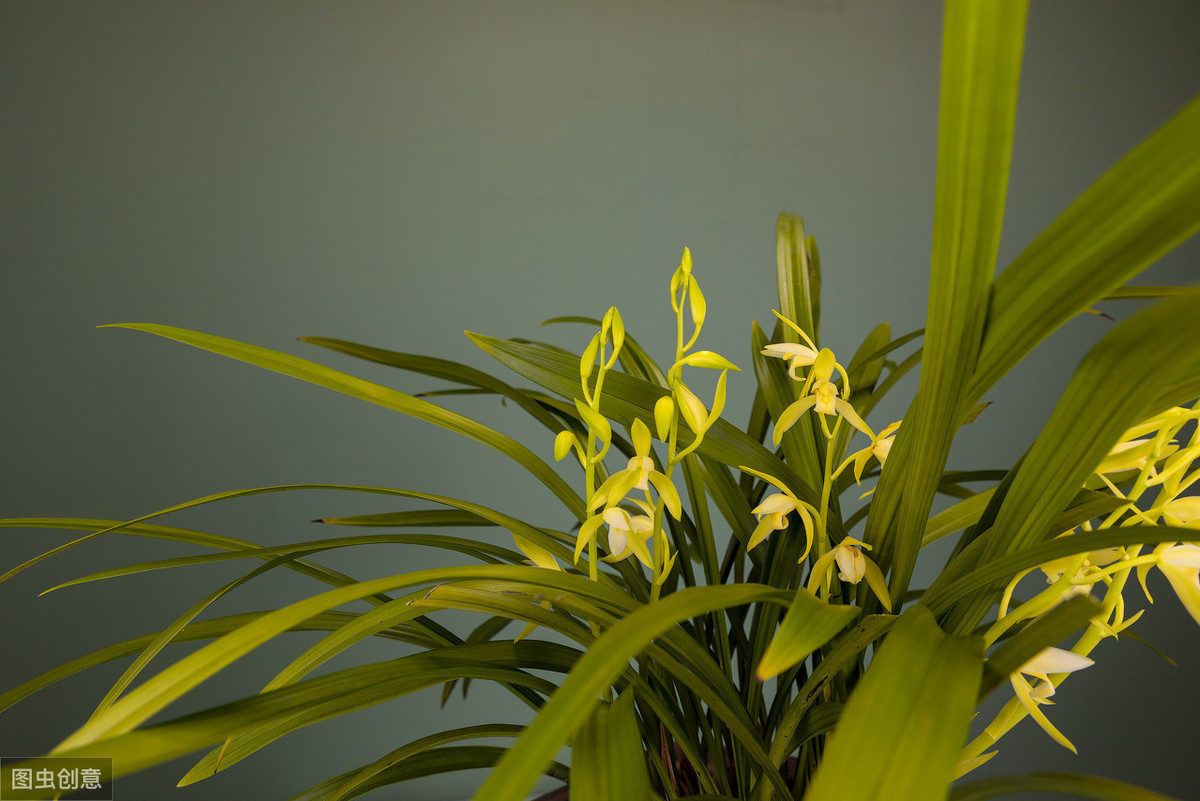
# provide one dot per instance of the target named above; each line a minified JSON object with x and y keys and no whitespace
{"x":790,"y":415}
{"x":1055,"y":660}
{"x":775,"y":502}
{"x":667,"y":491}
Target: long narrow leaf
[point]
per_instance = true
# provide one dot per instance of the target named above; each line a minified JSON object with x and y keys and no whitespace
{"x":573,"y":701}
{"x":1108,"y":393}
{"x":909,"y":714}
{"x":439,"y":368}
{"x":373,"y":393}
{"x":1094,"y":787}
{"x":981,"y":60}
{"x":160,"y":690}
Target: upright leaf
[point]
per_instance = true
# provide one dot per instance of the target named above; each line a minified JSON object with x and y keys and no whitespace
{"x":981,"y":60}
{"x":607,"y":757}
{"x":797,"y":277}
{"x":903,"y":728}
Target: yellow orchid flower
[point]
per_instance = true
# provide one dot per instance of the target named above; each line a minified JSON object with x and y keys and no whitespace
{"x":824,"y":399}
{"x":772,"y":515}
{"x":627,"y":535}
{"x":880,"y":447}
{"x":1041,"y":666}
{"x":1181,"y":566}
{"x":773,"y":512}
{"x":638,"y":474}
{"x":853,"y":566}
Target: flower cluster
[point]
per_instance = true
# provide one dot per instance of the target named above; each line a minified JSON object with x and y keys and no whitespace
{"x":1149,"y":469}
{"x":820,"y":392}
{"x":632,"y":522}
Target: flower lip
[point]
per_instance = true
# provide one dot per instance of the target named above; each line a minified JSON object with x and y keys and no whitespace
{"x":852,"y":565}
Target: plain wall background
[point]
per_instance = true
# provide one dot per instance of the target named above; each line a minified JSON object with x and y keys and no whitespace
{"x":394,"y":173}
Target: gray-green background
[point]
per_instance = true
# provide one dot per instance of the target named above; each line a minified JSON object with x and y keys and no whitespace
{"x":394,"y":173}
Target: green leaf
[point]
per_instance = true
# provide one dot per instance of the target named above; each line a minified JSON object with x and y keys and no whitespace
{"x":427,"y":763}
{"x":596,"y":670}
{"x":1137,"y":211}
{"x":480,"y":550}
{"x":355,"y":782}
{"x":315,"y":699}
{"x":865,"y":367}
{"x":202,"y":630}
{"x":1108,"y":393}
{"x":1145,"y":292}
{"x":1086,"y":505}
{"x":808,"y":624}
{"x":1094,"y":787}
{"x":168,"y":635}
{"x":798,"y":279}
{"x":910,"y":713}
{"x":503,"y":662}
{"x":374,"y":393}
{"x":422,"y":517}
{"x":170,"y":533}
{"x":607,"y":758}
{"x":981,"y":61}
{"x":160,"y":690}
{"x":957,"y":517}
{"x":440,"y":368}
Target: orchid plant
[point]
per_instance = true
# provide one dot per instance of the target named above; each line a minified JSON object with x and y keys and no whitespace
{"x":731,"y":615}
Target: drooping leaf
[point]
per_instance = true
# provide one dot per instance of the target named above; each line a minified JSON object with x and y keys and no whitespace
{"x":808,"y":624}
{"x":439,"y":368}
{"x":1108,"y":394}
{"x":596,"y":670}
{"x":353,"y":783}
{"x":373,"y":393}
{"x":1144,"y":206}
{"x":1094,"y":787}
